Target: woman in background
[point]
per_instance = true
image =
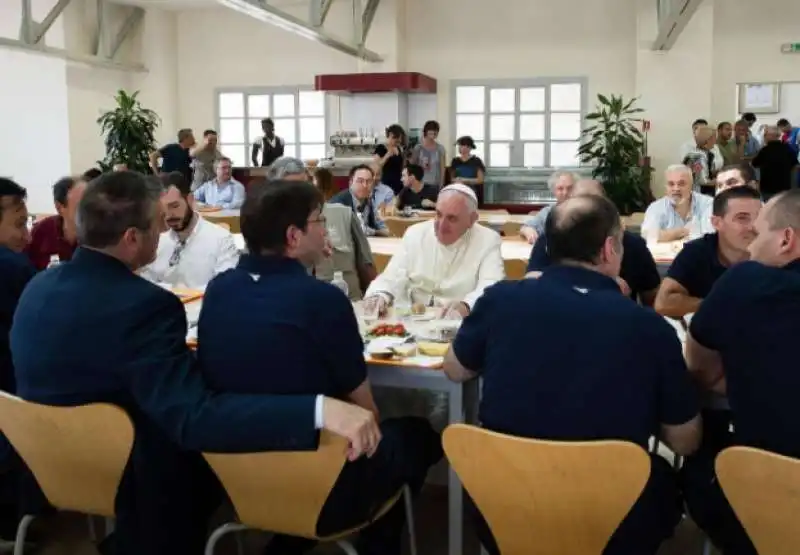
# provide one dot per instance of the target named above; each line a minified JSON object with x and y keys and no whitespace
{"x":390,"y":158}
{"x":467,"y":168}
{"x":323,"y":180}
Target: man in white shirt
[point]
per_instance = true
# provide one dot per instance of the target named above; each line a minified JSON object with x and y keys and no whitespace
{"x":447,"y":261}
{"x":192,"y":250}
{"x":680,"y":213}
{"x":223,"y":191}
{"x":691,"y":147}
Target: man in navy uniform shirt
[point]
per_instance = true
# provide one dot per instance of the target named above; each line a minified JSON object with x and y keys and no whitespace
{"x":270,"y":309}
{"x":627,"y":381}
{"x":638,"y":274}
{"x":702,"y":261}
{"x":743,"y":342}
{"x":91,"y":330}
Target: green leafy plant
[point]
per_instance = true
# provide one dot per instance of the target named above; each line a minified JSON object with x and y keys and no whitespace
{"x":129,"y":133}
{"x":615,"y":145}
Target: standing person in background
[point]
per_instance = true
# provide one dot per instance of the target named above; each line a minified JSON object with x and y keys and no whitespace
{"x":430,"y":154}
{"x":749,"y":119}
{"x":93,"y":173}
{"x":389,"y":158}
{"x":789,"y":135}
{"x":269,"y":145}
{"x":726,"y":145}
{"x":467,"y":168}
{"x":777,"y":163}
{"x":56,"y":235}
{"x":203,"y":157}
{"x":175,"y":156}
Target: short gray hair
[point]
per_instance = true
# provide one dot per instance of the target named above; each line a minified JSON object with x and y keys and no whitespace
{"x":114,"y":203}
{"x":472,"y":205}
{"x":679,"y":168}
{"x":285,"y":165}
{"x":558,"y":174}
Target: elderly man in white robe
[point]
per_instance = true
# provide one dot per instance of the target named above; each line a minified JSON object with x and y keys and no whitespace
{"x":446,"y":262}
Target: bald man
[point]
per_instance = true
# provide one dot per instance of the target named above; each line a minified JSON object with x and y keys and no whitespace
{"x":749,"y":321}
{"x":446,"y":262}
{"x":777,"y":162}
{"x":638,"y":275}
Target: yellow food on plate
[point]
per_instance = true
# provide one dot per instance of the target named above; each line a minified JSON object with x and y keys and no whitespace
{"x":418,"y":308}
{"x":431,"y":349}
{"x":405,"y":350}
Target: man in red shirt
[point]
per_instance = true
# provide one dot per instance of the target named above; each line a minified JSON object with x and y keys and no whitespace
{"x":55,"y":235}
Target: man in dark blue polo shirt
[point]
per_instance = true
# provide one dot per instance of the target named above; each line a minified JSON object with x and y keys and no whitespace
{"x":269,"y":314}
{"x":638,"y":274}
{"x":702,"y":261}
{"x":627,"y":381}
{"x":175,"y":156}
{"x":743,"y":343}
{"x":91,"y":330}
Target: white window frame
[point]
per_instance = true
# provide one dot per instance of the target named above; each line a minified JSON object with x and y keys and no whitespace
{"x":271,"y":91}
{"x":517,"y":145}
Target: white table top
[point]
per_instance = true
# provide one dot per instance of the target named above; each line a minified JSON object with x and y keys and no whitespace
{"x":512,"y":250}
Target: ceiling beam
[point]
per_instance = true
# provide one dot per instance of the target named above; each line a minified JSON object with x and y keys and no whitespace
{"x":279,"y":18}
{"x":367,"y":17}
{"x":84,"y":59}
{"x":130,"y":24}
{"x":674,"y":16}
{"x":48,"y":20}
{"x":318,"y":12}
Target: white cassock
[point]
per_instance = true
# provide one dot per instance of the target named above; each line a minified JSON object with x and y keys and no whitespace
{"x":432,"y":273}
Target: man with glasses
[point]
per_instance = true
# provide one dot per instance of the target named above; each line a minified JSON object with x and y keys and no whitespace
{"x":192,"y":250}
{"x":358,"y":198}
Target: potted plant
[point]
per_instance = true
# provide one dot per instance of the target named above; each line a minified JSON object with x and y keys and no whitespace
{"x":129,"y":133}
{"x":614,"y":144}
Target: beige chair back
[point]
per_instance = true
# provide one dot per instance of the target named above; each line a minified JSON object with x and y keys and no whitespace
{"x":764,"y":490}
{"x":511,"y":228}
{"x":281,"y":491}
{"x":380,"y":261}
{"x":77,"y":454}
{"x":544,"y":497}
{"x":397,"y":226}
{"x":515,"y":268}
{"x":224,"y":225}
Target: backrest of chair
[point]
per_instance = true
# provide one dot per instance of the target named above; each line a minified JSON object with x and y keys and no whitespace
{"x":515,"y":268}
{"x":397,"y":226}
{"x":224,"y":225}
{"x":77,"y":454}
{"x":511,"y":228}
{"x":281,"y":491}
{"x":764,"y":490}
{"x":380,"y":261}
{"x":546,"y":497}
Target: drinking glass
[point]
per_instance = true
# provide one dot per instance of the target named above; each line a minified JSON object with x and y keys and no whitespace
{"x":370,"y":310}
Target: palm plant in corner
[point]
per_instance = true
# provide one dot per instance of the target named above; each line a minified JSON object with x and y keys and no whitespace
{"x":615,"y":146}
{"x":128,"y":133}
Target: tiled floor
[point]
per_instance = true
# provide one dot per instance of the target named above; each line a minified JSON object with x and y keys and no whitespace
{"x":67,"y":534}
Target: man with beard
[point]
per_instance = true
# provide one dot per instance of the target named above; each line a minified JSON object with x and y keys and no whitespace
{"x":192,"y":250}
{"x":681,"y":213}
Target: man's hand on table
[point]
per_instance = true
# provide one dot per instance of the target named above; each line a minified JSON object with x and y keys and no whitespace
{"x":353,"y":423}
{"x":378,"y":302}
{"x":454,"y":311}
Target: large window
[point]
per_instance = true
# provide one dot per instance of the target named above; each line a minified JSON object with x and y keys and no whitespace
{"x":299,"y":117}
{"x":533,"y":123}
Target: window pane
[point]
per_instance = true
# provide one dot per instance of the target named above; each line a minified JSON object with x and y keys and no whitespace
{"x":283,"y":105}
{"x":285,"y":129}
{"x":470,"y":125}
{"x":565,"y":127}
{"x":254,"y":130}
{"x":501,"y":128}
{"x":470,"y":100}
{"x":312,"y":103}
{"x":499,"y":155}
{"x":502,"y":100}
{"x":565,"y":98}
{"x":531,"y":99}
{"x":533,"y":154}
{"x":564,"y":154}
{"x":231,"y":105}
{"x":237,"y":154}
{"x":312,"y":130}
{"x":258,"y":106}
{"x":479,"y":151}
{"x":290,"y":150}
{"x":531,"y":127}
{"x":312,"y":152}
{"x":231,"y":131}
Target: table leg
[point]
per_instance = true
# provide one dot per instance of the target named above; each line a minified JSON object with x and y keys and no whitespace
{"x":455,"y":494}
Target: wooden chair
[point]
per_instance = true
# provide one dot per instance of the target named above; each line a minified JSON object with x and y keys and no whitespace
{"x":380,"y":261}
{"x":515,"y":268}
{"x":284,"y":492}
{"x":76,"y":454}
{"x":764,"y":490}
{"x":547,"y":497}
{"x":224,"y":225}
{"x":511,"y":228}
{"x":397,"y":226}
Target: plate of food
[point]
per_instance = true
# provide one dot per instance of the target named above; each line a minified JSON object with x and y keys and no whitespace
{"x":388,"y":330}
{"x":207,"y":209}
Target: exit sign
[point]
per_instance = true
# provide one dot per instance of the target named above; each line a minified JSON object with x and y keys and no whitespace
{"x":791,"y":48}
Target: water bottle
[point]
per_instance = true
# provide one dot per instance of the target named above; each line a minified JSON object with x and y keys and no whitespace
{"x":54,"y":261}
{"x":338,"y":281}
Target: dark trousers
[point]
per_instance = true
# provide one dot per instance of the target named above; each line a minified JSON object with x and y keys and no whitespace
{"x":408,"y":449}
{"x":651,"y":520}
{"x":706,"y":502}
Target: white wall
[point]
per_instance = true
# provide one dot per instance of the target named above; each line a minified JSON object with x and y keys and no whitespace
{"x":35,"y":144}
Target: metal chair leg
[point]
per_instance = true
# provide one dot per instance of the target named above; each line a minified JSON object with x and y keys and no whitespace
{"x":22,"y":533}
{"x":215,"y":536}
{"x":412,"y":534}
{"x":707,"y":547}
{"x":347,"y":547}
